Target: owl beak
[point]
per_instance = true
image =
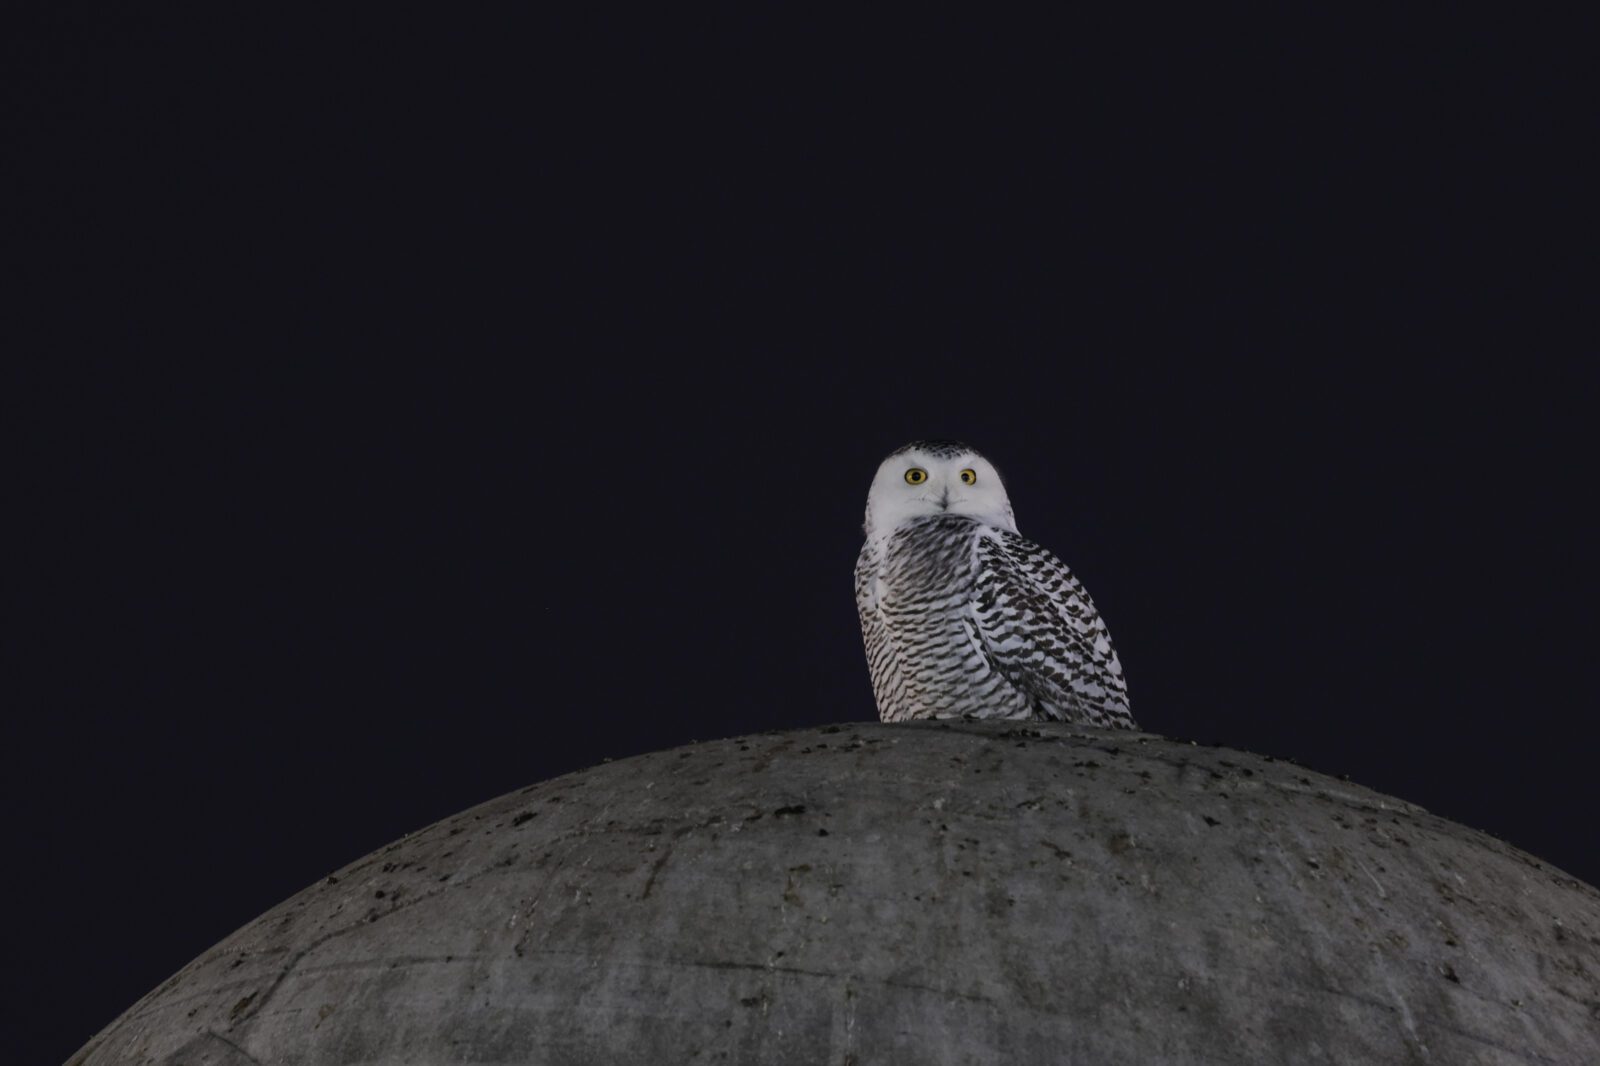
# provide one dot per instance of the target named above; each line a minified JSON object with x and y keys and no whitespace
{"x":944,"y":500}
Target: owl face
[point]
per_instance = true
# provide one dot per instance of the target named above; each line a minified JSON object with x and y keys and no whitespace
{"x":933,"y":478}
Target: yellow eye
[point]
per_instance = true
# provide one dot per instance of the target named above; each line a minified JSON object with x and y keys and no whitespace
{"x":916,"y":476}
{"x":969,"y":477}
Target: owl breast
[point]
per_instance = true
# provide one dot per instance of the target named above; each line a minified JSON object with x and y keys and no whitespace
{"x":916,"y":592}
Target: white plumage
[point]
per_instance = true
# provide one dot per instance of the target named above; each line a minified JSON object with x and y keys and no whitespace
{"x":964,"y":616}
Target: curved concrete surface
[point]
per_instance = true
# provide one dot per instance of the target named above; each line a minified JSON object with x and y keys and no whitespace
{"x":928,"y":893}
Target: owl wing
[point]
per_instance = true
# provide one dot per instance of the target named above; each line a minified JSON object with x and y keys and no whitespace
{"x":1038,"y":628}
{"x":881,"y":664}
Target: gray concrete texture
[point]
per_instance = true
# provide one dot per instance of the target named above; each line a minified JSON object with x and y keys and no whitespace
{"x":929,"y":893}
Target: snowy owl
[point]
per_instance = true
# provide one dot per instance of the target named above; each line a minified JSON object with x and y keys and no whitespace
{"x":964,"y":616}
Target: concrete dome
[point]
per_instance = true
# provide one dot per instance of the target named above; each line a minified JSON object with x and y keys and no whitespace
{"x":930,"y":893}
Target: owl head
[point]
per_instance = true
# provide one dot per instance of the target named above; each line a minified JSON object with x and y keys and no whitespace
{"x":934,"y":477}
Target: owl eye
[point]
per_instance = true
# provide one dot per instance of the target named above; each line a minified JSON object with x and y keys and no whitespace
{"x":969,"y":477}
{"x":916,"y":476}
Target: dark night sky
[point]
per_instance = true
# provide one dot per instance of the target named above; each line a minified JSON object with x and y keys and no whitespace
{"x":412,"y":410}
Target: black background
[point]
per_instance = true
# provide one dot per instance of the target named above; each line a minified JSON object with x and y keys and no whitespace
{"x":414,"y":408}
